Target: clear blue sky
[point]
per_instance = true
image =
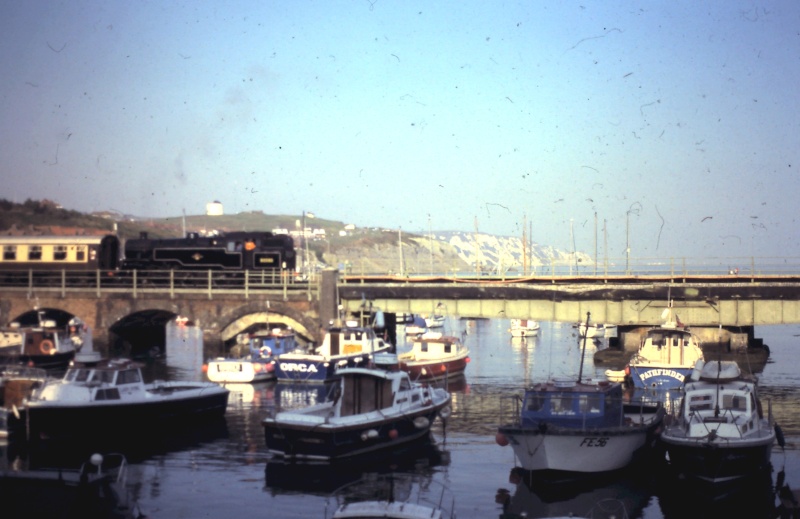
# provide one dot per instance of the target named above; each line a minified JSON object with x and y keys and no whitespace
{"x":679,"y":118}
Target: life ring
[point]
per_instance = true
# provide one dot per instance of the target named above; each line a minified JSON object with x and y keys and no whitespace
{"x":265,"y":351}
{"x":47,"y":347}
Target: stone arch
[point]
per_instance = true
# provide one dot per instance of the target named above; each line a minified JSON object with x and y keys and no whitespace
{"x":240,"y":318}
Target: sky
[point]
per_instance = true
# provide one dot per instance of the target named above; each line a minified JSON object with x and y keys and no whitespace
{"x":670,"y":128}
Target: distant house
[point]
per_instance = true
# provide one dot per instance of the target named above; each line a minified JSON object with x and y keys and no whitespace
{"x":214,"y":208}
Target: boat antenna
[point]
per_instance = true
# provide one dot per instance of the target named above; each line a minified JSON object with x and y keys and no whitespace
{"x":583,"y":351}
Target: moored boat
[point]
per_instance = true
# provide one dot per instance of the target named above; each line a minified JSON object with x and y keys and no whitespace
{"x":371,"y":410}
{"x":564,"y":428}
{"x":44,"y":344}
{"x":524,"y":328}
{"x":417,"y":326}
{"x":343,"y":346}
{"x":99,"y":397}
{"x":435,"y":321}
{"x":257,"y":364}
{"x":665,"y":358}
{"x":434,"y":356}
{"x":392,"y":496}
{"x":720,"y":432}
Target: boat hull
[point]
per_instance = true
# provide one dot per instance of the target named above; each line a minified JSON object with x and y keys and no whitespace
{"x":524,"y":333}
{"x":659,"y":377}
{"x":45,"y":420}
{"x":435,"y":370}
{"x":237,"y":371}
{"x":549,"y":450}
{"x":717,"y":462}
{"x":328,"y":442}
{"x":314,"y":368}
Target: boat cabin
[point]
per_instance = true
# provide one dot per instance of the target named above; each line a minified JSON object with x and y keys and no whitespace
{"x":350,"y":341}
{"x":573,"y":405}
{"x":721,"y":397}
{"x":363,"y":391}
{"x":273,"y":343}
{"x":433,"y":345}
{"x":108,"y":379}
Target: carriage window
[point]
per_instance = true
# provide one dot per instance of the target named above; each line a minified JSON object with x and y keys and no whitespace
{"x":103,"y":376}
{"x":9,"y":252}
{"x":562,"y":404}
{"x":447,"y":348}
{"x":35,"y":252}
{"x":60,"y":252}
{"x":80,"y":254}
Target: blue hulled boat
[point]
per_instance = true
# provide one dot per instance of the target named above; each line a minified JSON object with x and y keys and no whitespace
{"x":343,"y":346}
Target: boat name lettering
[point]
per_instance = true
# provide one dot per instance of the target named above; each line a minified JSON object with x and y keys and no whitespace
{"x":663,"y":372}
{"x":594,"y":442}
{"x":293,"y":366}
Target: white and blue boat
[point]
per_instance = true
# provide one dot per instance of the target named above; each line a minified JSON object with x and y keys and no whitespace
{"x":343,"y":346}
{"x":666,"y":357}
{"x":257,"y":363}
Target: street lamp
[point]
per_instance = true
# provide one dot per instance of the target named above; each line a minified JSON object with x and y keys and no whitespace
{"x":310,"y":215}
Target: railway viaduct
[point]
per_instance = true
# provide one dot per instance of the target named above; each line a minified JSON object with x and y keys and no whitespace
{"x":710,"y":304}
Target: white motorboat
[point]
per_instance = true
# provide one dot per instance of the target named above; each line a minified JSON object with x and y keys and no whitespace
{"x":98,"y":397}
{"x":720,"y":432}
{"x":524,"y":328}
{"x":257,"y":364}
{"x":392,"y":496}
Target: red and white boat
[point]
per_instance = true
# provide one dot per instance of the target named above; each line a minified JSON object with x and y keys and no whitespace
{"x":434,"y":356}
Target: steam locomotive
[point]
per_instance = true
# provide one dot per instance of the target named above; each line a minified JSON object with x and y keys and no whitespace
{"x":234,"y":251}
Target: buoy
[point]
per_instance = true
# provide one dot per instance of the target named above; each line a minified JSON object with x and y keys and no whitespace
{"x":421,"y":422}
{"x":501,"y":439}
{"x":445,"y":412}
{"x":205,"y":368}
{"x":393,"y":434}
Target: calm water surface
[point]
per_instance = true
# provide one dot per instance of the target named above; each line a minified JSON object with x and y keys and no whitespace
{"x":225,"y":471}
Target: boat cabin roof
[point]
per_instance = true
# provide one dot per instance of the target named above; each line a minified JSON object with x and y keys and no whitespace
{"x":436,"y":337}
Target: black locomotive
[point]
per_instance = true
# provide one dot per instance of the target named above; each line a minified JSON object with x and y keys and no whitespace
{"x":232,"y":251}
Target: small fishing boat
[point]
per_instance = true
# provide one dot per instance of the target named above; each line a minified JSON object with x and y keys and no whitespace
{"x":99,"y":397}
{"x":371,"y":410}
{"x":392,"y":496}
{"x":720,"y":432}
{"x":257,"y":364}
{"x":44,"y":344}
{"x":565,"y":428}
{"x":524,"y":328}
{"x":434,"y":356}
{"x":343,"y":346}
{"x":665,"y":358}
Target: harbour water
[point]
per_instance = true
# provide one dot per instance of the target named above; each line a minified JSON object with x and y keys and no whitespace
{"x":224,"y":470}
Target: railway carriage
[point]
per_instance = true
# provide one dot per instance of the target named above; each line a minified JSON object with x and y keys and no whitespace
{"x":59,"y":253}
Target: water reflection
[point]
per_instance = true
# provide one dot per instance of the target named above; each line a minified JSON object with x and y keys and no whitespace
{"x":616,"y":496}
{"x":323,"y":478}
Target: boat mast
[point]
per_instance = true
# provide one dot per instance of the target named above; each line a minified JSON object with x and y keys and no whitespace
{"x":583,"y":351}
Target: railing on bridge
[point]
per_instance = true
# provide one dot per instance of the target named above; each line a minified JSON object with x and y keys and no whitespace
{"x":609,"y":268}
{"x":158,"y":281}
